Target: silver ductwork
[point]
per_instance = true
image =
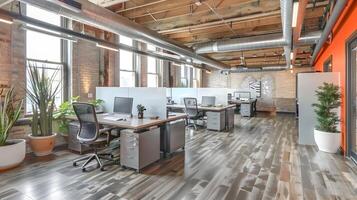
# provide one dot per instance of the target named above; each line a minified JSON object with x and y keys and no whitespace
{"x":241,"y":44}
{"x":286,"y":19}
{"x":5,"y":2}
{"x":257,"y":42}
{"x":253,"y":69}
{"x":340,"y":4}
{"x":308,"y":39}
{"x":56,"y":31}
{"x":102,"y":18}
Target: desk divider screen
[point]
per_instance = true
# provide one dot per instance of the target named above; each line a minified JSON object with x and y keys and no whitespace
{"x":154,"y":99}
{"x":179,"y":93}
{"x":221,"y":94}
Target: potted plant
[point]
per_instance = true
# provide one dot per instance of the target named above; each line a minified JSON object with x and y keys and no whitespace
{"x":141,"y":110}
{"x":326,"y":135}
{"x":61,"y":123}
{"x":12,"y":152}
{"x":98,"y":104}
{"x":42,"y":91}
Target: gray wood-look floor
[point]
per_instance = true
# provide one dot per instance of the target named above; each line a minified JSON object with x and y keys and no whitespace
{"x":258,"y":160}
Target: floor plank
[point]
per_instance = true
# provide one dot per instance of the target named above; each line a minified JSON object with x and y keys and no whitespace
{"x":259,"y":159}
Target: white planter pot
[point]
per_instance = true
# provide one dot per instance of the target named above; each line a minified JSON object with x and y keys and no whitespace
{"x":13,"y":154}
{"x":327,"y":142}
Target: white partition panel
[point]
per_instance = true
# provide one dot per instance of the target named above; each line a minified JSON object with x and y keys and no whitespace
{"x":108,"y":94}
{"x":154,"y":99}
{"x":306,"y":87}
{"x":221,"y":94}
{"x":168,"y":92}
{"x":179,"y":93}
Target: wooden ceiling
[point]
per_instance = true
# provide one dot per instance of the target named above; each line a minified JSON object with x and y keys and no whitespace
{"x":194,"y":21}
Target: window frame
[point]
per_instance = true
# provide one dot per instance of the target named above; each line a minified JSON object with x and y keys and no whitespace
{"x":134,"y":63}
{"x":158,"y":64}
{"x":63,"y":51}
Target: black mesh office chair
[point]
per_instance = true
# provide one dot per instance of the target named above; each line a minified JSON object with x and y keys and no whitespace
{"x":255,"y":107}
{"x":192,"y":111}
{"x":90,"y":134}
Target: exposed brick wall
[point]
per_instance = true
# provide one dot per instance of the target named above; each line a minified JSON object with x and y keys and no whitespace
{"x":284,"y":83}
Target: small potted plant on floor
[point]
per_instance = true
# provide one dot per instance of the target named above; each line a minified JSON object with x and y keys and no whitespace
{"x":141,"y":110}
{"x":12,"y":152}
{"x":61,"y":123}
{"x":42,"y":91}
{"x":326,"y":135}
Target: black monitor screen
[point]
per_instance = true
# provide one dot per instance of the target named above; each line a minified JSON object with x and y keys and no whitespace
{"x":123,"y":105}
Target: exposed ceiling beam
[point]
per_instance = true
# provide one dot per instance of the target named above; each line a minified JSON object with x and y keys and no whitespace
{"x":299,"y":24}
{"x":104,"y":19}
{"x":140,"y":6}
{"x":219,"y":22}
{"x":107,"y":3}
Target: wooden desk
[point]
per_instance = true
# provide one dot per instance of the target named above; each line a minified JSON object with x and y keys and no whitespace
{"x":133,"y":122}
{"x":203,"y":108}
{"x":218,"y":117}
{"x":246,"y":107}
{"x":238,"y":102}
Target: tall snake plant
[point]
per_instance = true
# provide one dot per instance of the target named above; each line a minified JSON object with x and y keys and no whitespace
{"x":10,"y":110}
{"x":42,"y":92}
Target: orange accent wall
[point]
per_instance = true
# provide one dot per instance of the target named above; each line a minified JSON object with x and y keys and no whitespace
{"x":343,"y":29}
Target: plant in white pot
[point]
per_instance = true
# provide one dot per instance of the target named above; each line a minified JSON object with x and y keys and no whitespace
{"x":327,"y":137}
{"x":12,"y":152}
{"x":42,"y":90}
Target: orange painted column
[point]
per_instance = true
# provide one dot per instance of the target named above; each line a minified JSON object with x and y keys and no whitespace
{"x":343,"y":29}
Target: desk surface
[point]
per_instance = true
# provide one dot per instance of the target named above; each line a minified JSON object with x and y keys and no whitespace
{"x":237,"y":101}
{"x":133,"y":122}
{"x":204,"y":108}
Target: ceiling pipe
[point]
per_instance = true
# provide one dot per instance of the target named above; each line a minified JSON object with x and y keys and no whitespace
{"x":5,"y":2}
{"x":340,"y":4}
{"x":254,"y":69}
{"x":105,"y":19}
{"x":286,"y":18}
{"x":308,"y":39}
{"x":256,"y":42}
{"x":64,"y":33}
{"x":241,"y":44}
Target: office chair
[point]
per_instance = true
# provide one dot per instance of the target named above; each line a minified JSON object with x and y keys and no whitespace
{"x":90,"y":134}
{"x":192,"y":111}
{"x":255,"y":107}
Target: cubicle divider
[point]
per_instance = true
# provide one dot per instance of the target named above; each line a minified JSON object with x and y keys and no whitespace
{"x":177,"y":94}
{"x":154,"y":99}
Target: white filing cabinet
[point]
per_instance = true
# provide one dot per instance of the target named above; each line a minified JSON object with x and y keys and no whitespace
{"x":216,"y":120}
{"x":172,"y":136}
{"x":138,"y":150}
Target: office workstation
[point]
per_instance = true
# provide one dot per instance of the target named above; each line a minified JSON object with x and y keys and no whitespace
{"x":167,"y":99}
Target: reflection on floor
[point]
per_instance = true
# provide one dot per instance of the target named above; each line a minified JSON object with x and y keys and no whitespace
{"x":258,"y":160}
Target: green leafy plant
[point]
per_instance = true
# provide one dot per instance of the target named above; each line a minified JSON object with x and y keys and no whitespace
{"x":64,"y":110}
{"x":328,"y":96}
{"x":140,"y":108}
{"x":96,"y":102}
{"x":10,"y":110}
{"x":42,"y":91}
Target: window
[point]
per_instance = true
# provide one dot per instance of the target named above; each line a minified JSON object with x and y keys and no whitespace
{"x":126,"y":64}
{"x":152,"y":69}
{"x":44,"y":51}
{"x":196,"y":77}
{"x":184,"y":81}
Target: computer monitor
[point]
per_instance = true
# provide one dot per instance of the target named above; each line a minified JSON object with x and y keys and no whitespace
{"x":123,"y":105}
{"x":208,"y":101}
